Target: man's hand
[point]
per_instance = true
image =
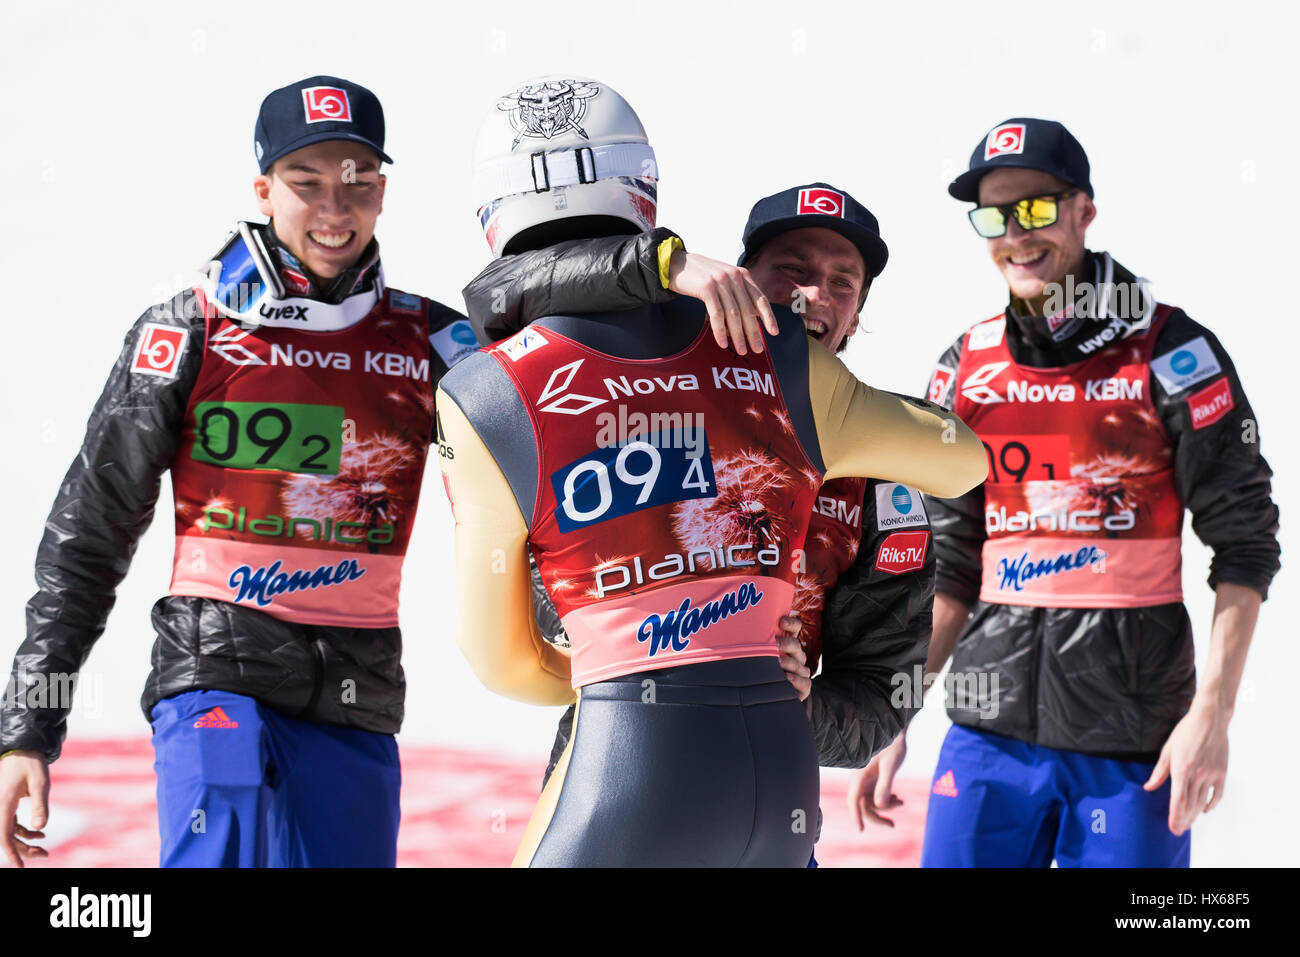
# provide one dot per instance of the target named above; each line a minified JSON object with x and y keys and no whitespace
{"x":1196,"y":757}
{"x":872,"y":790}
{"x":23,"y":774}
{"x":793,"y":660}
{"x":735,"y":304}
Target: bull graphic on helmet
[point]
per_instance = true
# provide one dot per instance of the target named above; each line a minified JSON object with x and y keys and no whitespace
{"x":547,"y":109}
{"x":589,"y":157}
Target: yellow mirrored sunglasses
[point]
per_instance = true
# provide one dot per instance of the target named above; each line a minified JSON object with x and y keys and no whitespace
{"x":1032,"y":213}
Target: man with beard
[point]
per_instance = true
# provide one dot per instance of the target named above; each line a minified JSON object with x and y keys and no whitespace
{"x":863,"y":599}
{"x":670,"y":549}
{"x":1079,"y":733}
{"x":291,"y":397}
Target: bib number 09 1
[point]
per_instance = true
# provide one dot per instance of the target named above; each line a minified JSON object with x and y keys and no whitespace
{"x":617,"y":481}
{"x":1027,"y":458}
{"x":278,"y":436}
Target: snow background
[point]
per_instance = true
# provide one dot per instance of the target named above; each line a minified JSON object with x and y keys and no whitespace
{"x":128,"y":156}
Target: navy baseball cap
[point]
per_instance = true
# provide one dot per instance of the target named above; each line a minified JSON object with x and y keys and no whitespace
{"x":1026,"y":143}
{"x":314,"y":110}
{"x":818,"y":205}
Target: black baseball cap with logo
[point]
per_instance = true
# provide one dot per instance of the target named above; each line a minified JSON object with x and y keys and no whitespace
{"x":1026,"y":143}
{"x":817,"y":205}
{"x":315,"y":110}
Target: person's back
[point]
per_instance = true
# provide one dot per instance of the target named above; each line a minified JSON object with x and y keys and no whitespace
{"x":664,"y":486}
{"x":697,"y":461}
{"x":667,"y":499}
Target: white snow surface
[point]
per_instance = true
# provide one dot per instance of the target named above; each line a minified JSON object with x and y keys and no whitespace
{"x":128,"y":156}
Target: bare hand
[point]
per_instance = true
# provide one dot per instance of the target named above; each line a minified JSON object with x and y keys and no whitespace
{"x":736,"y":305}
{"x":794,"y":662}
{"x":872,"y":790}
{"x":23,"y":774}
{"x":1196,"y":758}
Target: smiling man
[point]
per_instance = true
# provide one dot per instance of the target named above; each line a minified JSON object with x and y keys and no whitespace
{"x":817,"y":249}
{"x":330,"y":237}
{"x":1079,"y":732}
{"x":291,"y":397}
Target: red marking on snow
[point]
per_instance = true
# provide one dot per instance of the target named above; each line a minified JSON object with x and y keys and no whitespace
{"x":843,"y":845}
{"x":459,"y":809}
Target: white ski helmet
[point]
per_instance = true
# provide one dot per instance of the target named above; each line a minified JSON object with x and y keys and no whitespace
{"x":559,"y":147}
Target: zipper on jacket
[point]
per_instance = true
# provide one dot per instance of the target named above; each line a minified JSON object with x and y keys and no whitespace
{"x":1137,"y":672}
{"x":1040,"y":629}
{"x":318,"y":678}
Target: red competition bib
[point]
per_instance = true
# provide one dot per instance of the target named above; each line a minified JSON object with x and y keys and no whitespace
{"x":834,"y":535}
{"x":672,"y":499}
{"x":299,"y":470}
{"x":1080,"y":505}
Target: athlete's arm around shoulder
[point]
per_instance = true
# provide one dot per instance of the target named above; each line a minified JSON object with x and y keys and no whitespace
{"x":869,"y":432}
{"x":606,"y":274}
{"x":495,"y":627}
{"x":103,"y":506}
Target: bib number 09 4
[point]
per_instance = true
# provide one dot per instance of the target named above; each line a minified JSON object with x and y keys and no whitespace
{"x":279,"y":436}
{"x":616,"y":481}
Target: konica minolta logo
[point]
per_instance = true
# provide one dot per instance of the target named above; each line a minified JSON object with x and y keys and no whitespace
{"x":1185,"y":366}
{"x":454,"y":342}
{"x":898,"y":506}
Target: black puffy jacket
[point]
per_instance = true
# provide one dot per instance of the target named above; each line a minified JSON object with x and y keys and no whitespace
{"x":1109,"y":681}
{"x":103,"y":506}
{"x":876,"y":625}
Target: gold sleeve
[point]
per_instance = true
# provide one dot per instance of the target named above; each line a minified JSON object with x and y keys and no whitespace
{"x":495,"y":627}
{"x":665,"y":254}
{"x":870,"y":433}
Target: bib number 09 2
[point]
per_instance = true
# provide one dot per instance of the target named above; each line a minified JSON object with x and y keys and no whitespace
{"x":278,"y":436}
{"x":616,"y":481}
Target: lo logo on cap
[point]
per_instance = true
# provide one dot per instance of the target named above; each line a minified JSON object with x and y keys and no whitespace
{"x":819,"y":201}
{"x":1008,"y":138}
{"x":326,"y":103}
